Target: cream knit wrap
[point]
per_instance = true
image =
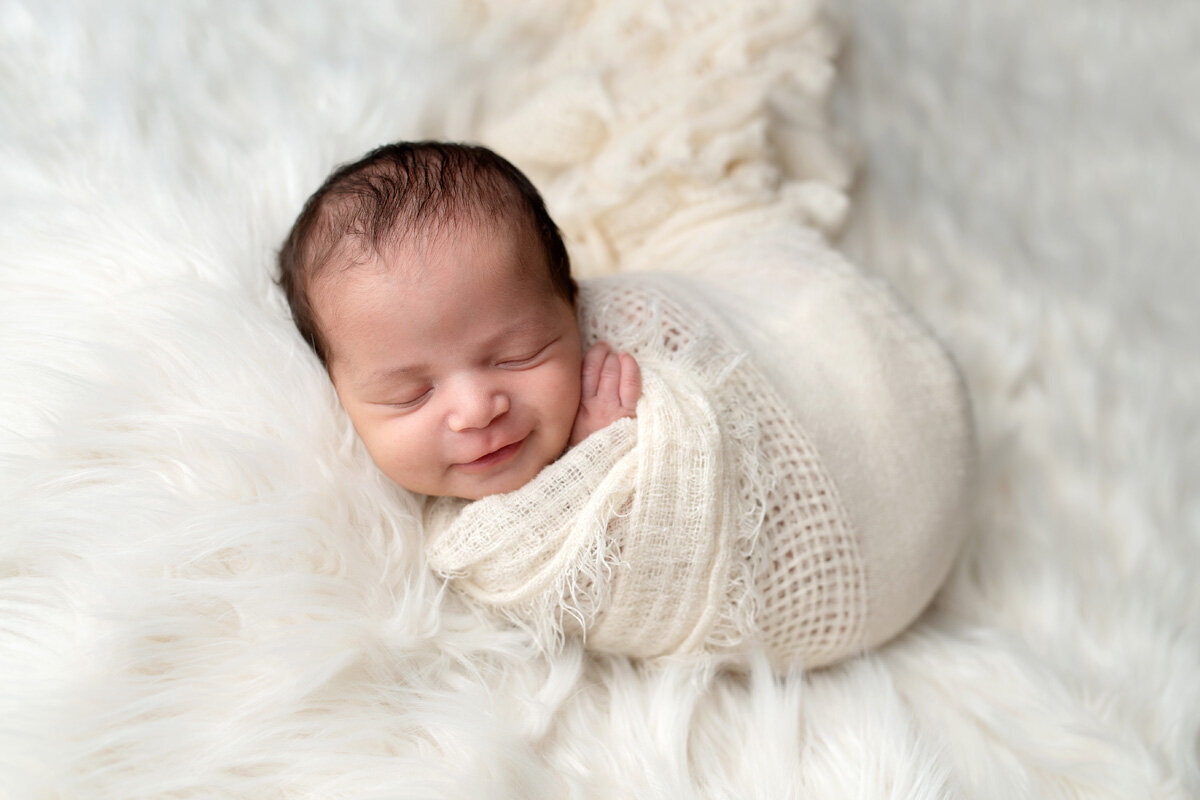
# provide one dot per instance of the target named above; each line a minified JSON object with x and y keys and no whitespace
{"x":713,"y":521}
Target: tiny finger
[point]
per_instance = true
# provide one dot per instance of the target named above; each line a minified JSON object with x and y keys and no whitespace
{"x":592,"y":363}
{"x":610,"y":376}
{"x":630,"y":388}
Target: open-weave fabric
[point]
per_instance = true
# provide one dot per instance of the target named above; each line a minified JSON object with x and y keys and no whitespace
{"x":708,"y":523}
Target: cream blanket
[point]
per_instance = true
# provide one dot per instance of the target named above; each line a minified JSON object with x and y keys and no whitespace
{"x":712,"y":522}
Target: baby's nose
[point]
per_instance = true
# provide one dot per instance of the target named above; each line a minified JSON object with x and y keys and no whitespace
{"x":477,"y":406}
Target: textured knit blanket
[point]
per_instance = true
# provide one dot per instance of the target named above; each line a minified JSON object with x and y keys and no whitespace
{"x":714,"y":522}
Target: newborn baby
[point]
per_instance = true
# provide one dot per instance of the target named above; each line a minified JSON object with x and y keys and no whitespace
{"x":759,"y":450}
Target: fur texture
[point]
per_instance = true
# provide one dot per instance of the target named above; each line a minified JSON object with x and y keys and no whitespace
{"x":205,"y":589}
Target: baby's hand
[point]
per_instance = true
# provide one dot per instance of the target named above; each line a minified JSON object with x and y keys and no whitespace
{"x":612,"y":384}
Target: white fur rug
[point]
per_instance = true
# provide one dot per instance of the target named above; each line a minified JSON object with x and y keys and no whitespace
{"x":205,"y":591}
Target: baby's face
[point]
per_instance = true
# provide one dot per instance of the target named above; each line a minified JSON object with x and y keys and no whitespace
{"x":456,"y":360}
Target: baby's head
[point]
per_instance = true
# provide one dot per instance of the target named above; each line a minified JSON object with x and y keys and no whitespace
{"x":437,"y":292}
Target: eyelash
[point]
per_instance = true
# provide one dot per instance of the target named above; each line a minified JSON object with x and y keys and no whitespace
{"x":415,"y":401}
{"x":520,"y":362}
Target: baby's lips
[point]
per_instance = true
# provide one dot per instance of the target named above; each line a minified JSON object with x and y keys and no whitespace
{"x":490,"y":452}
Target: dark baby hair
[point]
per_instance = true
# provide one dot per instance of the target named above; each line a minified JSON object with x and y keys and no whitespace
{"x":371,"y":204}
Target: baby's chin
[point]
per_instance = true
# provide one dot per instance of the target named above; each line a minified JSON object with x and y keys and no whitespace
{"x":480,"y":492}
{"x":500,"y":484}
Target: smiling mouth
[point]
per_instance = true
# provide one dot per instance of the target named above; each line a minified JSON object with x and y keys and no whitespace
{"x":493,"y":458}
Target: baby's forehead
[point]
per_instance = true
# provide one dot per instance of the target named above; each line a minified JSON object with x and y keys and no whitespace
{"x":437,"y":252}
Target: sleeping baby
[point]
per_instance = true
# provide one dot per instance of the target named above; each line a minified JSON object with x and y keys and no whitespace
{"x":752,"y":447}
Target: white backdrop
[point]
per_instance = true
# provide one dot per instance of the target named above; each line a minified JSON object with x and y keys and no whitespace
{"x":205,"y":591}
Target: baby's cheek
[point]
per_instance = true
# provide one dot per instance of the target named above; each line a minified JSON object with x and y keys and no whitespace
{"x":393,"y":446}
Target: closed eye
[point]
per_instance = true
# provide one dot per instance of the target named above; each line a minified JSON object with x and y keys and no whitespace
{"x":414,"y":402}
{"x":525,"y":360}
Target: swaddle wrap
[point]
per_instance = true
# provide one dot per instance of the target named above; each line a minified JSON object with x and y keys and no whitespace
{"x":712,"y":521}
